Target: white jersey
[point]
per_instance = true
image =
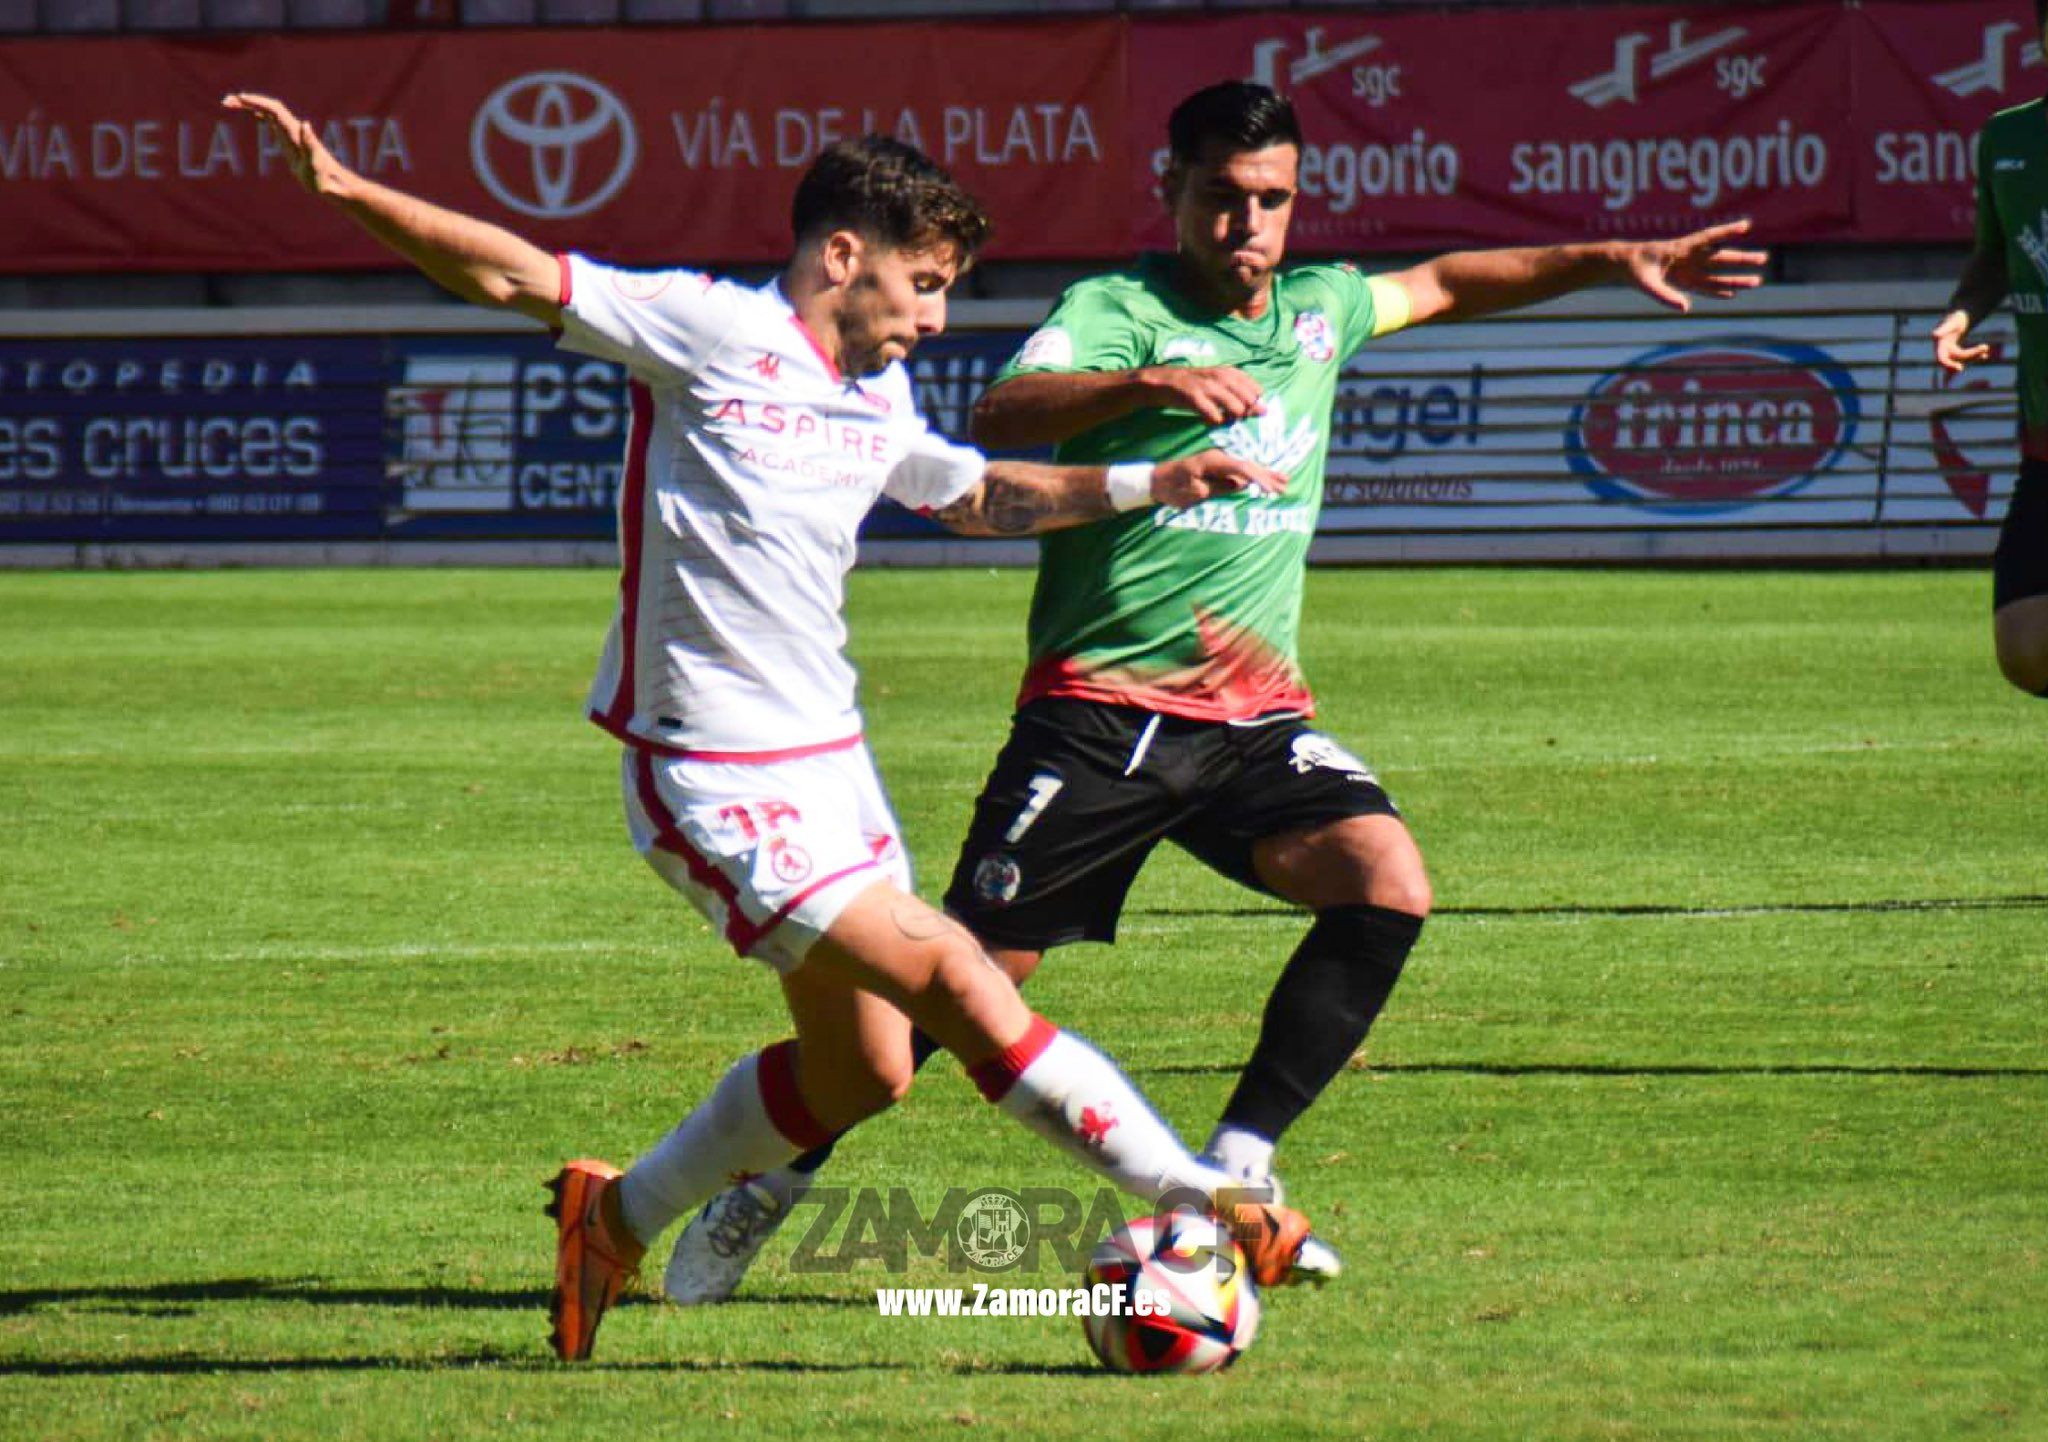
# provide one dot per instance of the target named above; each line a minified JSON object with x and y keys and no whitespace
{"x":749,"y":464}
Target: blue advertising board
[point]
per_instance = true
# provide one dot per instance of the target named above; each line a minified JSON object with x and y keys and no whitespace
{"x":473,"y":437}
{"x":494,"y":436}
{"x":190,"y":439}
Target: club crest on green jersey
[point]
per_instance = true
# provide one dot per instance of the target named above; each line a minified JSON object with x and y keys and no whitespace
{"x":1316,"y":337}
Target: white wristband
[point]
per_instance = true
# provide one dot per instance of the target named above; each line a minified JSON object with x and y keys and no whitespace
{"x":1129,"y":485}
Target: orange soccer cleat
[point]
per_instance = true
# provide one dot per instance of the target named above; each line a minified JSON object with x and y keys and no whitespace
{"x":594,"y":1257}
{"x":1271,"y":1237}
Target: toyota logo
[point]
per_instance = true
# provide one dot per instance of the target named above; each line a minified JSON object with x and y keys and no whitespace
{"x":553,"y":144}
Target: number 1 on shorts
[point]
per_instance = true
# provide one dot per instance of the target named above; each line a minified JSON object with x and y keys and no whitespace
{"x":1044,"y":786}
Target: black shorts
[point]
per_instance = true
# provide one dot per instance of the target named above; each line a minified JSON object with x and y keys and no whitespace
{"x":2019,"y":568}
{"x":1083,"y":791}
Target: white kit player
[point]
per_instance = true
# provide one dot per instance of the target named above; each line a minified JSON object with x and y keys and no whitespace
{"x":765,"y":422}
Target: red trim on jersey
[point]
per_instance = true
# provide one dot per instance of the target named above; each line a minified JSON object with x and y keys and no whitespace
{"x":999,"y":1073}
{"x":617,"y":717}
{"x":732,"y":758}
{"x":564,"y":287}
{"x":1059,"y":676}
{"x":831,"y":366}
{"x":775,"y":1071}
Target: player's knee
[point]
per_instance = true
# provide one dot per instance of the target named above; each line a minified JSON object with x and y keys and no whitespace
{"x":1396,"y":883}
{"x":1353,"y":865}
{"x":966,"y":992}
{"x":891,"y":1082}
{"x":2021,"y":633}
{"x":2026,"y":666}
{"x":961,"y":975}
{"x":880,"y":1084}
{"x":1407,"y":891}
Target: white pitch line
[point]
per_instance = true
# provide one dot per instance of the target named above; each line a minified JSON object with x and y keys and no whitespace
{"x":419,"y":951}
{"x":1575,"y":758}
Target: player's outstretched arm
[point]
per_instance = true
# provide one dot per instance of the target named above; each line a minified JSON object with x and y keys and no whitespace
{"x":1982,"y":286}
{"x":1469,"y":283}
{"x":477,"y":260}
{"x":1023,"y":498}
{"x":1043,"y":408}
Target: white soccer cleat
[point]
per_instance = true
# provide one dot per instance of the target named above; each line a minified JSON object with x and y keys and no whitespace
{"x":713,"y":1253}
{"x":1315,"y":1264}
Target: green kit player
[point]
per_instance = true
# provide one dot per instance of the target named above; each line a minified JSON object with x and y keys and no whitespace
{"x":2011,"y":258}
{"x":1163,"y":699}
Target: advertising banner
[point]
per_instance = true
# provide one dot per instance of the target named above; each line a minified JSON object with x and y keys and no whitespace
{"x":501,"y":436}
{"x":1927,"y":78}
{"x":1820,"y":121}
{"x":1643,"y":423}
{"x":1612,"y":424}
{"x":222,"y":439}
{"x":672,"y":145}
{"x":1627,"y":122}
{"x":1952,"y":451}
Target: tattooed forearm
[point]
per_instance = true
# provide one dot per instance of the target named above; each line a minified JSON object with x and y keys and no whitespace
{"x":1016,"y":498}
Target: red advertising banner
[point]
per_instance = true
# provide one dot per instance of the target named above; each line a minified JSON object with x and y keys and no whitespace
{"x":676,"y":145}
{"x":1427,"y":130}
{"x":1822,"y":121}
{"x":1927,"y":78}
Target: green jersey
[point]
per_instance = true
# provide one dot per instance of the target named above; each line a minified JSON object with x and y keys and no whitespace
{"x":2012,"y":219}
{"x":1195,"y":612}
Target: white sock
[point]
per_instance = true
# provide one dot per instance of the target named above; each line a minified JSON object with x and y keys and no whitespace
{"x":785,"y":1184}
{"x":752,"y":1122}
{"x":1074,"y":1096}
{"x":1246,"y":1155}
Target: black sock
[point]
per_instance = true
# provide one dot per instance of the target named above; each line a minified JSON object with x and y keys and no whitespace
{"x":922,"y":1050}
{"x":1320,"y":1010}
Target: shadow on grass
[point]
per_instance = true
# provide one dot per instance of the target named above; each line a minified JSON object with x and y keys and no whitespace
{"x":1627,"y":1069}
{"x":2023,"y":902}
{"x":183,"y":1298}
{"x":1033,"y":1369}
{"x":184,"y":1365}
{"x":166,"y":1297}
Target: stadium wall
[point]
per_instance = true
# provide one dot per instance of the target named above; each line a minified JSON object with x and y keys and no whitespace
{"x":1801,"y":424}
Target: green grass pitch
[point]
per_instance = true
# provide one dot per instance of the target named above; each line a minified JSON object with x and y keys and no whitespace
{"x":1714,"y":1106}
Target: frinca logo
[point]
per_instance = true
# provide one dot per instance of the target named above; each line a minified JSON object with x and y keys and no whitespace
{"x":1987,"y":73}
{"x":1624,"y":81}
{"x":1269,"y":440}
{"x":2033,"y":241}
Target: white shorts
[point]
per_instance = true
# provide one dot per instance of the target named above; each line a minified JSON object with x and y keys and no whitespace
{"x":771,"y":852}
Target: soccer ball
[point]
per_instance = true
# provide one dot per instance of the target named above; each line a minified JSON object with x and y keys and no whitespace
{"x":1212,"y":1306}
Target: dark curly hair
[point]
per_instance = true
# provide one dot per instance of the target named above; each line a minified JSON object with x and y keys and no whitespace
{"x":888,"y":192}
